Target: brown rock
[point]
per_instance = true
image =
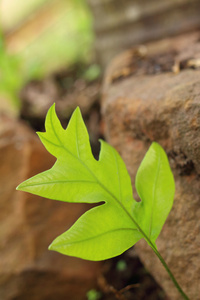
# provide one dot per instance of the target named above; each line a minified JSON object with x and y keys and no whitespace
{"x":127,"y":23}
{"x":152,"y":103}
{"x":28,"y":224}
{"x":38,"y":95}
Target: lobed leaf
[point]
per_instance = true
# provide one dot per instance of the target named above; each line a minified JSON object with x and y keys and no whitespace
{"x":110,"y":228}
{"x":104,"y":231}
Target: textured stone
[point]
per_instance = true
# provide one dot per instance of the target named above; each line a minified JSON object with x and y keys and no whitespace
{"x":28,"y":224}
{"x":149,"y":103}
{"x":38,"y":95}
{"x":127,"y":23}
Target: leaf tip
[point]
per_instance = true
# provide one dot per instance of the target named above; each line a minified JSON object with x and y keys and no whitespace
{"x":53,"y":106}
{"x":155,"y":145}
{"x":77,"y":111}
{"x":77,"y":115}
{"x":20,"y":187}
{"x":24,"y":186}
{"x":157,"y":148}
{"x":52,"y":109}
{"x":52,"y":247}
{"x":77,"y":108}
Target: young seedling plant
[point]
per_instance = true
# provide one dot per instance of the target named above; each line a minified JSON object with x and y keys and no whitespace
{"x":111,"y":228}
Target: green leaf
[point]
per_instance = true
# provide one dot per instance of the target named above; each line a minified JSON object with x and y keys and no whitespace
{"x":110,"y":228}
{"x":155,"y":186}
{"x":106,"y":230}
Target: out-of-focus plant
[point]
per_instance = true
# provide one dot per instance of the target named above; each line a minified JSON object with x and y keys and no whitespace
{"x":10,"y":79}
{"x":64,"y":40}
{"x":93,"y":295}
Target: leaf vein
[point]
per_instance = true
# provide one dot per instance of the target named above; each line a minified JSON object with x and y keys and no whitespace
{"x":62,"y":182}
{"x":49,"y":141}
{"x":77,"y":146}
{"x":98,"y":235}
{"x":154,"y":192}
{"x":118,"y":176}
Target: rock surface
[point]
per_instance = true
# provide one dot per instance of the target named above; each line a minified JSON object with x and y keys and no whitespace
{"x":28,"y":224}
{"x":127,"y":23}
{"x":66,"y":88}
{"x":156,"y":97}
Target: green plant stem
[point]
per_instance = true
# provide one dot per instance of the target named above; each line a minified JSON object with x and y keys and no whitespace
{"x":168,"y":271}
{"x":149,"y":242}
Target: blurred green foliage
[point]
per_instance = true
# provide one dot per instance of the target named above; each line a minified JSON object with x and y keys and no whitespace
{"x":92,"y":72}
{"x":67,"y":40}
{"x":10,"y":79}
{"x":14,"y":12}
{"x":121,"y":265}
{"x":93,"y":295}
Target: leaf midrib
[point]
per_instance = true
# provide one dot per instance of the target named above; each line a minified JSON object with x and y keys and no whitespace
{"x":119,"y":184}
{"x":62,"y":182}
{"x":94,"y":237}
{"x":153,"y":198}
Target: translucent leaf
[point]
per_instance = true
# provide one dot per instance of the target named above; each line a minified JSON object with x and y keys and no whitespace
{"x":114,"y":226}
{"x":104,"y":231}
{"x":155,"y":186}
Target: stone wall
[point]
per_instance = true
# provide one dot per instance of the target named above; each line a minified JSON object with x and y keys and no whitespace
{"x":153,"y":94}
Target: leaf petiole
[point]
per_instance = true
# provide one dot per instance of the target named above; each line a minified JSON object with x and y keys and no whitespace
{"x":161,"y":260}
{"x":167,"y":269}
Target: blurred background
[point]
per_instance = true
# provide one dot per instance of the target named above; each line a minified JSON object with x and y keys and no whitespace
{"x":39,"y":37}
{"x":58,"y":51}
{"x":43,"y":37}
